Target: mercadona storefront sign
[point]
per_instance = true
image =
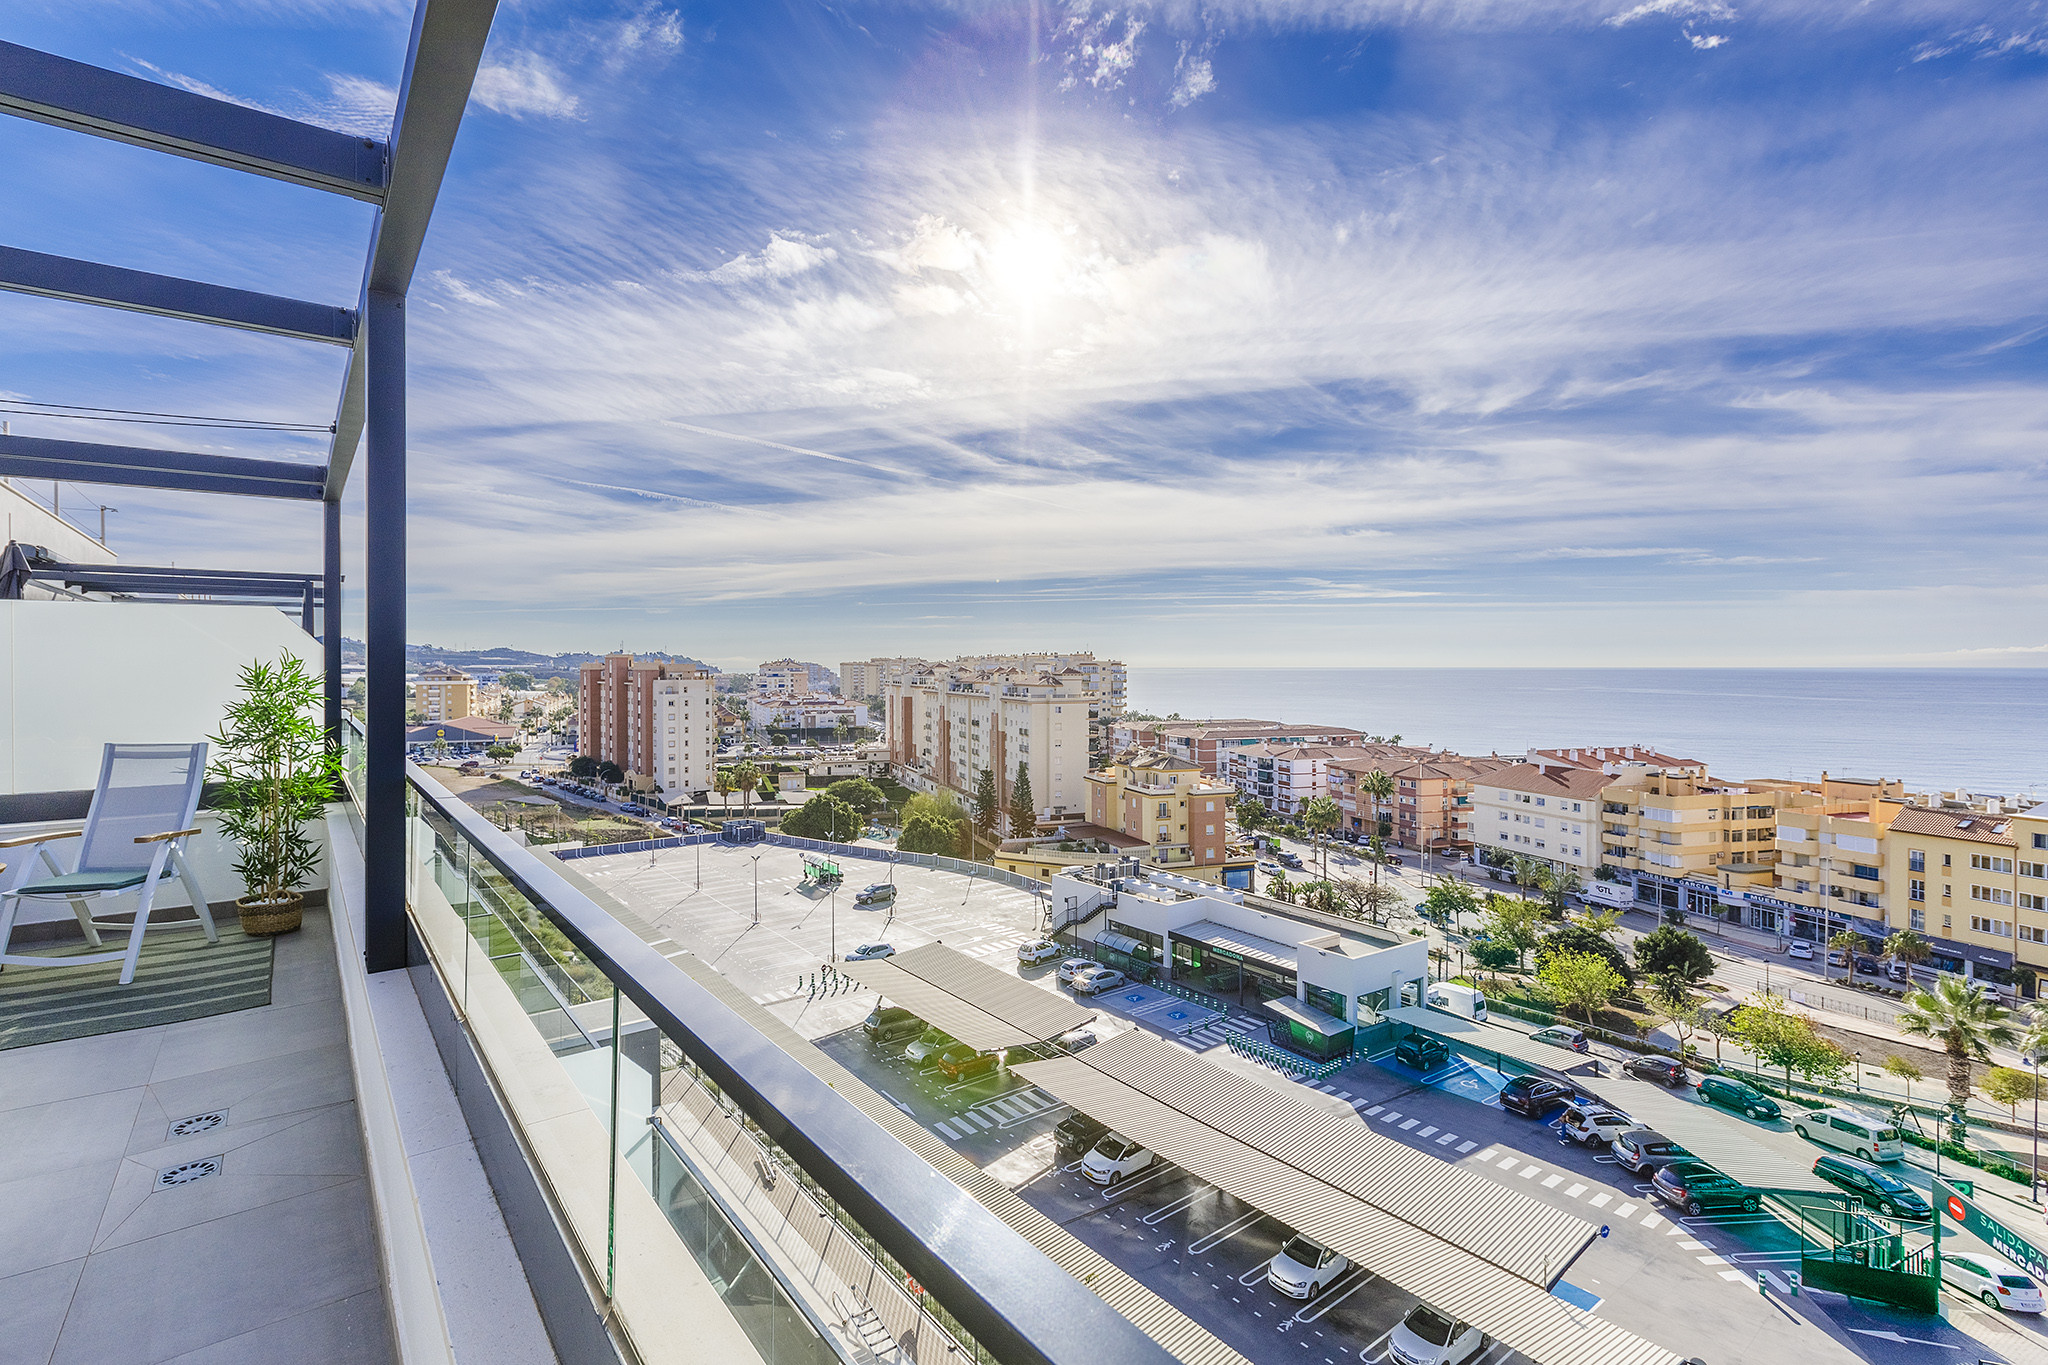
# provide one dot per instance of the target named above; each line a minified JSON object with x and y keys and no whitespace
{"x":1958,"y":1206}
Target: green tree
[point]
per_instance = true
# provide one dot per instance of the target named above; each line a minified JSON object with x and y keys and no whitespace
{"x":1448,"y":900}
{"x":359,"y":691}
{"x":1779,"y":1038}
{"x":610,"y":772}
{"x":1964,"y":1018}
{"x":1576,"y":938}
{"x":927,"y":833}
{"x":1676,"y":961}
{"x":1516,"y":923}
{"x":724,"y":783}
{"x":1559,"y":884}
{"x":583,"y":766}
{"x":1606,"y":923}
{"x":517,"y":681}
{"x":1251,"y":816}
{"x":1279,"y":888}
{"x":863,"y":795}
{"x":747,"y":779}
{"x":1321,"y":896}
{"x":1495,"y":955}
{"x":1908,"y":947}
{"x":1848,"y":943}
{"x":1904,"y":1070}
{"x":1377,"y":787}
{"x":1526,"y":872}
{"x":1023,"y":809}
{"x":824,"y":816}
{"x":501,"y":752}
{"x":940,"y":806}
{"x":1321,"y":816}
{"x":986,"y":808}
{"x":2008,"y":1086}
{"x":1580,"y":981}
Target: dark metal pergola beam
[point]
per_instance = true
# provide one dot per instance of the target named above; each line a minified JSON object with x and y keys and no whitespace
{"x":35,"y":457}
{"x":90,"y":99}
{"x":113,"y":286}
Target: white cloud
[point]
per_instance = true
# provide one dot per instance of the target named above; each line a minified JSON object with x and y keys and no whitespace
{"x":781,"y":258}
{"x":357,"y":104}
{"x":1705,"y":42}
{"x":520,"y":83}
{"x":1193,"y":77}
{"x":1705,"y":9}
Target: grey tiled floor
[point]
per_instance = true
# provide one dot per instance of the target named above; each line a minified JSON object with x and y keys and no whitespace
{"x":272,"y":1259}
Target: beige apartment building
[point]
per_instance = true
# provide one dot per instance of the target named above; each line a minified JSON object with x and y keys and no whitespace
{"x":782,"y":680}
{"x":441,"y":694}
{"x":657,"y":721}
{"x":1431,"y":808}
{"x":1974,"y":882}
{"x":948,"y":722}
{"x":1210,"y":742}
{"x":1175,"y":811}
{"x":1548,"y":812}
{"x":1690,"y":843}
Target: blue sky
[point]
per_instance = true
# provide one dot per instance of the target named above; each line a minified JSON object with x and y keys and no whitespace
{"x":1406,"y":332}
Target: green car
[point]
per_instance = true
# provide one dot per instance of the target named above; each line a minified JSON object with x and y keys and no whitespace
{"x":1726,"y":1090}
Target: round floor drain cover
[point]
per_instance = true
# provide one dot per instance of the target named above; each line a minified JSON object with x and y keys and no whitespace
{"x":199,"y":1123}
{"x":184,"y":1173}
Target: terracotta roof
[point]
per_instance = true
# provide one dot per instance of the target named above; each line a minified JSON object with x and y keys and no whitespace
{"x":1956,"y":824}
{"x":1584,"y":783}
{"x":1581,"y":756}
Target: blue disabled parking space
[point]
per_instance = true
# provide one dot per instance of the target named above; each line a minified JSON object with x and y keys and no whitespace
{"x":1157,"y":1008}
{"x":1468,"y":1080}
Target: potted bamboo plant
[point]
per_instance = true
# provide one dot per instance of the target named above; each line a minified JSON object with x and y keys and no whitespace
{"x":276,"y":773}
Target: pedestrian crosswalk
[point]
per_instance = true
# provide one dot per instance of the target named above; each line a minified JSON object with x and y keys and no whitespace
{"x":1004,"y":944}
{"x":1017,"y":1107}
{"x":1212,"y":1033}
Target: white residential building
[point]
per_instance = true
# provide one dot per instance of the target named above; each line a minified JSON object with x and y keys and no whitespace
{"x":686,"y":733}
{"x":810,"y":717}
{"x":946,"y":723}
{"x":1282,"y":777}
{"x":1545,"y":811}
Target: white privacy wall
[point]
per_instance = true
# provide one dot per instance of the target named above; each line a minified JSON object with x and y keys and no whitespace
{"x":76,"y":675}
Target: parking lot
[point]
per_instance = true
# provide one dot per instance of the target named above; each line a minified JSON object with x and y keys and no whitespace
{"x":802,"y":926}
{"x":1687,"y":1283}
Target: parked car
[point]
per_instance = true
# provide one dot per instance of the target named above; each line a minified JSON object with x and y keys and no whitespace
{"x":868,"y":952}
{"x":881,"y":893}
{"x":1999,"y":1283}
{"x":1645,"y":1149}
{"x":1662,"y":1070}
{"x":1075,"y":1040}
{"x":1289,"y":859}
{"x":1734,"y":1094}
{"x":924,"y":1050}
{"x":1114,"y":1159}
{"x":1802,"y":951}
{"x":1073,"y":967}
{"x":891,"y":1024}
{"x":1873,"y":1186}
{"x":1898,"y":972}
{"x":1097,"y":979}
{"x":1696,"y":1187}
{"x":1427,"y":1337}
{"x":1043,"y":950}
{"x":1558,"y":1035}
{"x":1304,"y":1267}
{"x":960,"y":1061}
{"x":634,"y":808}
{"x":1533,"y":1096}
{"x":1422,"y":1052}
{"x":1269,"y":868}
{"x":1077,"y":1133}
{"x":1871,"y":1139}
{"x":1593,"y":1125}
{"x":1866,"y":966}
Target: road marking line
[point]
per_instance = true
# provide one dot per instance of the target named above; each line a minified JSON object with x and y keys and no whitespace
{"x":1327,"y":1089}
{"x":1676,"y":1231}
{"x":985,"y":1124}
{"x":1553,"y":1182}
{"x":1447,"y":1137}
{"x":1624,"y":1209}
{"x":941,"y":1128}
{"x":1712,"y":1260}
{"x":1694,"y":1244}
{"x":1390,"y":1116}
{"x":1427,"y":1131}
{"x":1465,"y":1147}
{"x":1734,"y":1275}
{"x":1528,"y":1171}
{"x":1575,"y":1191}
{"x":1510,"y":1161}
{"x":1409,"y":1124}
{"x":1651,"y":1220}
{"x":1599,"y":1199}
{"x":1343,"y":1094}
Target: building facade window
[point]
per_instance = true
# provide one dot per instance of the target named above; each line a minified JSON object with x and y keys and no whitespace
{"x":1916,"y":860}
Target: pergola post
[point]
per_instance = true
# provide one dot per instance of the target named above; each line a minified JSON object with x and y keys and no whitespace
{"x":330,"y":619}
{"x":384,"y":856}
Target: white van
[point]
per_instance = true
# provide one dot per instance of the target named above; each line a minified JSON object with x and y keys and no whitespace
{"x":1451,"y":998}
{"x":1612,"y":895}
{"x":1870,"y":1139}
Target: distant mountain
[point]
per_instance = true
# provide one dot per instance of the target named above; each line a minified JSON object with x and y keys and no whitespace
{"x":503,"y":658}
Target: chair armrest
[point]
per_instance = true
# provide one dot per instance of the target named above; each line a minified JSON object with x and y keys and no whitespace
{"x":25,"y":840}
{"x":167,"y":834}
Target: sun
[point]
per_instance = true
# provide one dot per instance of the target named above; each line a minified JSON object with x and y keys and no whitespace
{"x":1027,"y":263}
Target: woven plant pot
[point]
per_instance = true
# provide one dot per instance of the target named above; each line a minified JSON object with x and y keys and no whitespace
{"x":261,"y":918}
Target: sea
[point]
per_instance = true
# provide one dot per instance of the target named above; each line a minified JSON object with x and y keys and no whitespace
{"x":1979,"y":730}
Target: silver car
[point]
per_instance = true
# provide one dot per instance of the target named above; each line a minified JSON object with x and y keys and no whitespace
{"x":1073,"y":967}
{"x":1097,"y":979}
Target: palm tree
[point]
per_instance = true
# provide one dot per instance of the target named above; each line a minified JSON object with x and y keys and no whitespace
{"x":1848,"y":943}
{"x":1322,"y":816}
{"x":724,"y":785}
{"x":1527,"y":872}
{"x":747,"y":777}
{"x":1966,"y":1020}
{"x":1603,"y":922}
{"x":1559,"y":882}
{"x":1379,"y":785}
{"x":1908,"y":947}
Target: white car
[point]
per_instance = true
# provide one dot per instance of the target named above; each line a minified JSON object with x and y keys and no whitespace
{"x":1074,"y":966}
{"x":1304,"y":1267}
{"x":868,"y":952}
{"x":1043,"y":950}
{"x":1802,"y":951}
{"x":1097,"y":979}
{"x":1999,"y":1283}
{"x":1427,"y":1337}
{"x":1114,"y":1159}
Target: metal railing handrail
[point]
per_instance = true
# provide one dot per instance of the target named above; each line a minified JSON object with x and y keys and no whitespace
{"x":1015,"y":1301}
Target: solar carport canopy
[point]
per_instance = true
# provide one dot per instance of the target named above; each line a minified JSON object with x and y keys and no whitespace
{"x":1469,"y":1033}
{"x":1720,"y":1140}
{"x":1460,"y":1242}
{"x":981,"y":1006}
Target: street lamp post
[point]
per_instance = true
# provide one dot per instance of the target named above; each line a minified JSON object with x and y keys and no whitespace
{"x":757,"y":888}
{"x":835,"y":923}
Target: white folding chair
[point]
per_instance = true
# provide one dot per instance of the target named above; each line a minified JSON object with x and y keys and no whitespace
{"x":133,"y":839}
